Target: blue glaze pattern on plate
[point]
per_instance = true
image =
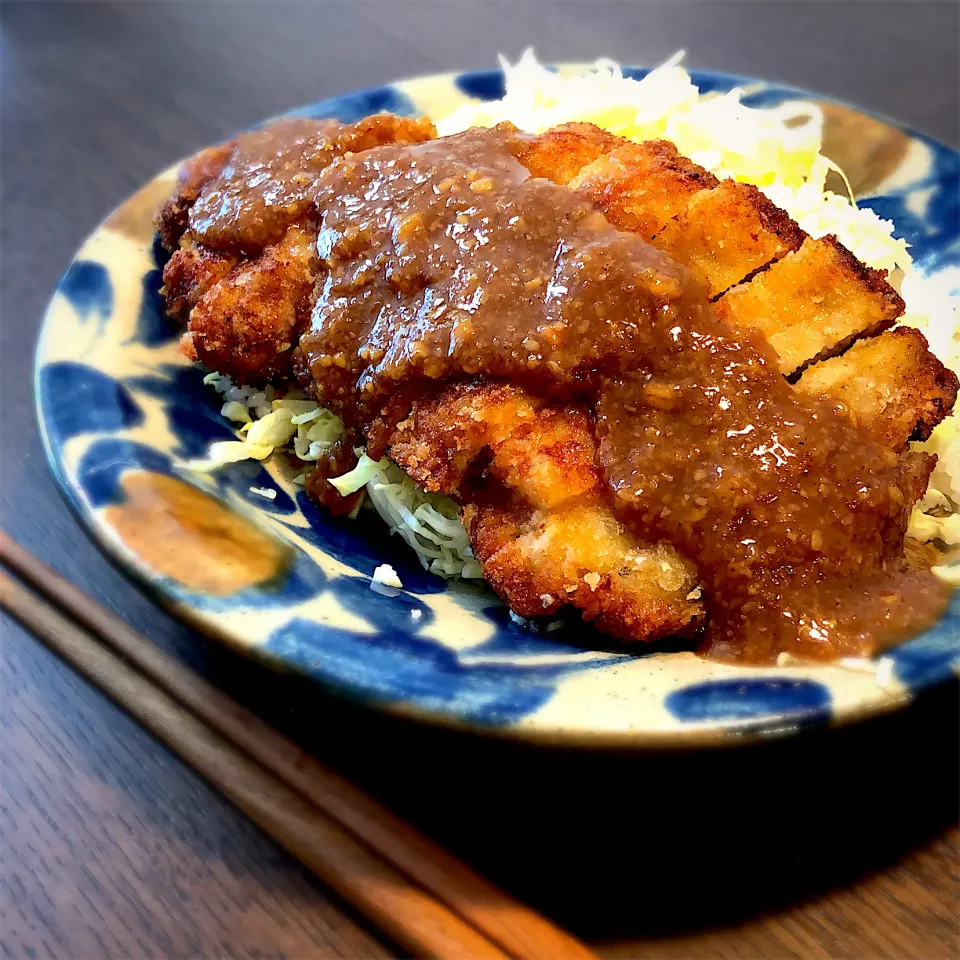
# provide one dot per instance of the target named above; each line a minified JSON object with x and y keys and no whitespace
{"x":355,"y":106}
{"x":924,"y":660}
{"x":933,"y":230}
{"x":89,"y":400}
{"x":86,"y":284}
{"x":482,"y":84}
{"x":154,"y":326}
{"x":395,"y":666}
{"x":115,"y":396}
{"x":749,"y":700}
{"x":99,"y":476}
{"x":106,"y":461}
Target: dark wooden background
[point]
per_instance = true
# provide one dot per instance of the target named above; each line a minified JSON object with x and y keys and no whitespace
{"x":843,"y":844}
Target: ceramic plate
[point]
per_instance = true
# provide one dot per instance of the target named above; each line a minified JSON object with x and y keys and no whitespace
{"x":121,"y":411}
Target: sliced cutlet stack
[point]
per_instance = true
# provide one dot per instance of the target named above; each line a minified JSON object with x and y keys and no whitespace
{"x":812,"y":298}
{"x":813,"y":303}
{"x":892,"y":386}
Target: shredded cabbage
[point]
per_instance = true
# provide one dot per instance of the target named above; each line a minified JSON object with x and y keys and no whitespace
{"x":777,"y":149}
{"x":365,"y":470}
{"x":428,"y":522}
{"x":819,"y":212}
{"x":775,"y":146}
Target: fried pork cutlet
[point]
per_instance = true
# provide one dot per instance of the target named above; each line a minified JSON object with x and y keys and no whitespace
{"x":195,"y":173}
{"x":810,"y":298}
{"x":242,"y":226}
{"x":891,"y":386}
{"x":446,"y":261}
{"x":538,"y":517}
{"x":534,"y":550}
{"x":813,"y":303}
{"x":254,"y":313}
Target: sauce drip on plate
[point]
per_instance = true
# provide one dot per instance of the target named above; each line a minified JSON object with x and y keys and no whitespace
{"x":446,"y":260}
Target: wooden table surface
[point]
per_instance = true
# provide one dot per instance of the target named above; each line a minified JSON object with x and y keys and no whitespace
{"x":842,"y":844}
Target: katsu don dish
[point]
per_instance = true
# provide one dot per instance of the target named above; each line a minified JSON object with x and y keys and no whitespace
{"x":610,"y":345}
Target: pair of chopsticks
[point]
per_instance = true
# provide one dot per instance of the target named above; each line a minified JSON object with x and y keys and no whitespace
{"x":426,"y":900}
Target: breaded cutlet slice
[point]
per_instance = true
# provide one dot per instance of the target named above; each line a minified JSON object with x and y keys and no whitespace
{"x":194,"y":174}
{"x":727,"y":233}
{"x":813,"y":303}
{"x":245,"y":304}
{"x":640,"y":186}
{"x":247,"y":323}
{"x":533,"y":503}
{"x":562,"y":152}
{"x":891,"y":386}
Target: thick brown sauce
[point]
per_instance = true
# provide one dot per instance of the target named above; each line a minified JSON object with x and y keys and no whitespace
{"x":186,"y":535}
{"x":269,"y":179}
{"x":267,"y":184}
{"x":447,"y":260}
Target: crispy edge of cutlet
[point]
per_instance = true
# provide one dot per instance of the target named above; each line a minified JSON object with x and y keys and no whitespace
{"x":247,"y":324}
{"x":382,"y":129}
{"x":874,"y":280}
{"x":189,"y":273}
{"x":875,"y":283}
{"x":173,"y":217}
{"x":756,"y":232}
{"x":890,"y":385}
{"x":640,"y":187}
{"x":560,"y":153}
{"x":537,"y":562}
{"x":518,"y":437}
{"x":769,"y":302}
{"x":228,"y":331}
{"x":776,"y":219}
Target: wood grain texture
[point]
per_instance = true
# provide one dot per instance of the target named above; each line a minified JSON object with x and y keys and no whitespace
{"x":407,"y":913}
{"x":396,"y":876}
{"x":841,"y":845}
{"x":111,"y":848}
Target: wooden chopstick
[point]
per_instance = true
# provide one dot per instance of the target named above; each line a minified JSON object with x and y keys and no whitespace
{"x":406,"y":912}
{"x":359,"y":847}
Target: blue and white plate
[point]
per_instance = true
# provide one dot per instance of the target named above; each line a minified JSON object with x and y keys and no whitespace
{"x":121,"y":411}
